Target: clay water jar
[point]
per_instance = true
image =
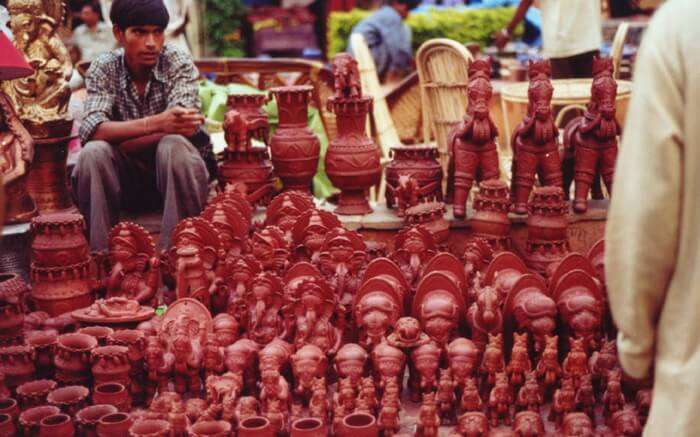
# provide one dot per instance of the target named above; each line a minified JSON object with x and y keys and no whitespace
{"x":256,"y":426}
{"x":29,"y":419}
{"x":58,"y":240}
{"x":308,"y":427}
{"x":547,"y":214}
{"x":419,"y":162}
{"x":88,"y":417}
{"x":44,"y":344}
{"x":9,"y":406}
{"x":7,"y":426}
{"x":110,"y":364}
{"x":99,"y":332}
{"x":70,"y":399}
{"x":17,"y":363}
{"x":211,"y":428}
{"x":359,"y":425}
{"x":34,"y":393}
{"x":150,"y":428}
{"x":114,"y":425}
{"x":112,"y":393}
{"x":72,"y":358}
{"x":57,"y":425}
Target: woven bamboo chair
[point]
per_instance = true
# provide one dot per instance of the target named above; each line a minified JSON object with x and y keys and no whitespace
{"x":443,"y":74}
{"x":618,"y":46}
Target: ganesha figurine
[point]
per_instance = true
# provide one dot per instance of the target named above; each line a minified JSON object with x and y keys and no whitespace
{"x":378,"y":305}
{"x":580,"y":304}
{"x":462,"y":359}
{"x":135,"y":270}
{"x":426,"y":360}
{"x":342,"y":258}
{"x":535,"y":140}
{"x":472,"y":142}
{"x":350,"y":362}
{"x":389,"y":364}
{"x":264,"y":301}
{"x":530,"y":308}
{"x":414,"y":247}
{"x":309,"y":233}
{"x":439,"y":305}
{"x":308,"y":363}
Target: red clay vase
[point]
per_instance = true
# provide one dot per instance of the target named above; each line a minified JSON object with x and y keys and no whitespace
{"x":150,"y":428}
{"x":114,"y":425}
{"x":58,"y":425}
{"x":256,"y":426}
{"x":44,"y":344}
{"x":88,"y":417}
{"x":211,"y":428}
{"x":294,"y":147}
{"x":359,"y":425}
{"x":352,"y":160}
{"x":29,"y":419}
{"x":420,"y":163}
{"x":72,"y":358}
{"x":7,"y":426}
{"x":112,"y":393}
{"x":490,"y":220}
{"x":34,"y":393}
{"x":308,"y":427}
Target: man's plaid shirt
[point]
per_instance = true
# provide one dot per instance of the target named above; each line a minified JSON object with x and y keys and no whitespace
{"x":112,"y":95}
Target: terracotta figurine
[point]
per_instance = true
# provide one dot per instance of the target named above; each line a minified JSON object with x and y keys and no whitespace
{"x":446,"y":398}
{"x":428,"y":418}
{"x":575,"y":364}
{"x":530,"y":395}
{"x":473,"y":424}
{"x":548,"y":368}
{"x":528,"y":423}
{"x":563,"y":401}
{"x":613,"y":398}
{"x":519,"y":363}
{"x":493,"y":362}
{"x":500,"y":400}
{"x":585,"y":396}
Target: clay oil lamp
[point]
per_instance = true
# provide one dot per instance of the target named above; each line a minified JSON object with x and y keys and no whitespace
{"x":88,"y":417}
{"x":34,"y":393}
{"x":69,"y":399}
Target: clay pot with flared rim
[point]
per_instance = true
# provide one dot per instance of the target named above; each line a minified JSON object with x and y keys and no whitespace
{"x":7,"y":426}
{"x":17,"y":364}
{"x":88,"y":417}
{"x":359,"y":425}
{"x":112,"y":393}
{"x":101,"y":333}
{"x":419,"y":162}
{"x":44,"y":343}
{"x":256,"y":426}
{"x":70,"y":399}
{"x":111,"y":364}
{"x":114,"y":425}
{"x":34,"y":393}
{"x":10,"y":407}
{"x":211,"y":428}
{"x":308,"y":427}
{"x":58,"y":425}
{"x":29,"y":419}
{"x":150,"y":428}
{"x":72,"y":358}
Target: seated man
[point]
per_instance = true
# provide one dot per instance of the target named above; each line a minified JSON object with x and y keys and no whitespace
{"x":146,"y":90}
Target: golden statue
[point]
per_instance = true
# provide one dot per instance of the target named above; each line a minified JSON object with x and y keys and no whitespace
{"x":42,"y":98}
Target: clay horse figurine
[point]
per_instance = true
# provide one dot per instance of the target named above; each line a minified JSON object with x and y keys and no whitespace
{"x":535,"y":141}
{"x":590,"y":141}
{"x":472,"y":142}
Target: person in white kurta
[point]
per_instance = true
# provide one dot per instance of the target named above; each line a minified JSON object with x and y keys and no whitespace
{"x":175,"y":32}
{"x":653,"y":229}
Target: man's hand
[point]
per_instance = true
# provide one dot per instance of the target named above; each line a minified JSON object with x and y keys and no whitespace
{"x":179,"y":121}
{"x":501,"y":38}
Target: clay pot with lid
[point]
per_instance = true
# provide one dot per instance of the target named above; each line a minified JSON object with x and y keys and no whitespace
{"x":419,"y":162}
{"x":34,"y":393}
{"x":114,"y":425}
{"x":30,"y":418}
{"x":72,"y":358}
{"x":211,"y":428}
{"x":17,"y":364}
{"x":359,"y":425}
{"x":101,"y":333}
{"x":256,"y":426}
{"x":352,"y":160}
{"x":58,"y":425}
{"x":308,"y":427}
{"x":70,"y":399}
{"x":7,"y":426}
{"x":44,"y":344}
{"x":294,"y":147}
{"x":150,"y":428}
{"x":88,"y":417}
{"x":112,"y":393}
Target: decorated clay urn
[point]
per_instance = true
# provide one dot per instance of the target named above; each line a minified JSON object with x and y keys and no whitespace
{"x":30,"y":418}
{"x":69,"y":399}
{"x":87,"y":418}
{"x":547,"y":224}
{"x":431,"y":215}
{"x":13,"y":294}
{"x":58,"y":240}
{"x":211,"y":428}
{"x":58,"y":425}
{"x":34,"y":393}
{"x":294,"y":147}
{"x":44,"y":343}
{"x":72,"y":358}
{"x":490,"y":220}
{"x":111,"y":364}
{"x":17,"y":364}
{"x":420,"y":163}
{"x":250,"y":107}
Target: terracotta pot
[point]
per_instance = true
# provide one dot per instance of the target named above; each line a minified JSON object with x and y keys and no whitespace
{"x":256,"y":426}
{"x":352,"y":160}
{"x":135,"y":340}
{"x":294,"y":147}
{"x":7,"y":426}
{"x":490,"y":220}
{"x":212,"y":428}
{"x":99,"y":332}
{"x":72,"y":358}
{"x":150,"y":428}
{"x":44,"y":344}
{"x":47,"y":178}
{"x":250,"y":107}
{"x":419,"y":162}
{"x":111,"y":364}
{"x":59,"y":240}
{"x":70,"y":399}
{"x":58,"y":425}
{"x":308,"y":427}
{"x":17,"y":363}
{"x":112,"y":393}
{"x":431,"y":216}
{"x":88,"y":417}
{"x":254,"y":169}
{"x":10,"y":407}
{"x":13,"y":294}
{"x":547,"y":228}
{"x":59,"y":290}
{"x":34,"y":393}
{"x":29,"y":419}
{"x":114,"y":425}
{"x":359,"y":425}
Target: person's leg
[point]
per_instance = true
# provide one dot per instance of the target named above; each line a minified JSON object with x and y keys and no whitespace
{"x":582,"y":65}
{"x":561,"y":68}
{"x":97,"y":189}
{"x":182,"y":179}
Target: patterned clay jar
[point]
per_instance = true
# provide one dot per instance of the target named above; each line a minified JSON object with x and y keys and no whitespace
{"x":17,"y":363}
{"x":72,"y":358}
{"x":62,"y":289}
{"x":490,"y":220}
{"x":34,"y":393}
{"x":29,"y":419}
{"x":112,"y":393}
{"x":58,"y":425}
{"x":256,"y":426}
{"x":294,"y":147}
{"x":44,"y":344}
{"x":250,"y":107}
{"x":59,"y":240}
{"x":308,"y":427}
{"x":70,"y":399}
{"x":211,"y":428}
{"x":111,"y":364}
{"x":114,"y":425}
{"x":253,"y":168}
{"x":101,"y":333}
{"x":13,"y":294}
{"x":547,"y":228}
{"x":7,"y":426}
{"x":359,"y":425}
{"x":419,"y":162}
{"x":353,"y":160}
{"x":88,"y":417}
{"x":150,"y":428}
{"x":9,"y":406}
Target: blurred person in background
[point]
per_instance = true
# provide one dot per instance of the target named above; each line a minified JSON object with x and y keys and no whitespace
{"x":94,"y":36}
{"x":5,"y":19}
{"x":572,"y":34}
{"x":179,"y":18}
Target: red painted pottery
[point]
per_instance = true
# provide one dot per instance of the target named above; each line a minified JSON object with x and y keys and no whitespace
{"x":29,"y":419}
{"x":308,"y":427}
{"x":7,"y":426}
{"x":13,"y":294}
{"x":431,"y":216}
{"x":218,"y":428}
{"x":88,"y":417}
{"x":58,"y":425}
{"x":111,"y":364}
{"x":44,"y":344}
{"x":294,"y":147}
{"x":352,"y":160}
{"x":420,"y":163}
{"x":547,"y":224}
{"x":112,"y":393}
{"x":59,"y":240}
{"x":70,"y":399}
{"x":99,"y":332}
{"x":490,"y":220}
{"x":253,"y":168}
{"x":359,"y":425}
{"x":250,"y":107}
{"x":34,"y":393}
{"x":72,"y":358}
{"x":150,"y":428}
{"x":256,"y":426}
{"x":17,"y":364}
{"x":59,"y":290}
{"x":114,"y":425}
{"x":9,"y":406}
{"x":47,"y":177}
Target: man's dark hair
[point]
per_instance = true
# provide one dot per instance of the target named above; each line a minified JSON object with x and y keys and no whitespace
{"x":130,"y":13}
{"x":412,"y":4}
{"x":95,"y":7}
